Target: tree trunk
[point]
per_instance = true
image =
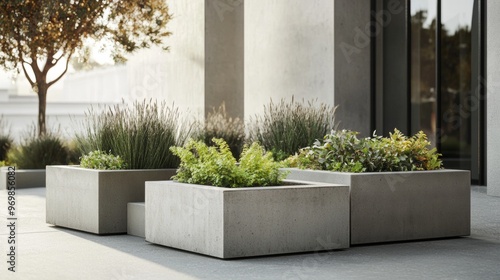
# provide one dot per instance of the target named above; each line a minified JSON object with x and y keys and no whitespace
{"x":42,"y":104}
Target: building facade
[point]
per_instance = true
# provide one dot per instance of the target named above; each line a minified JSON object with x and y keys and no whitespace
{"x":428,"y":65}
{"x":408,"y":64}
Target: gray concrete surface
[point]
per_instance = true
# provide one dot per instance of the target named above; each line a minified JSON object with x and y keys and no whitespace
{"x":136,"y":219}
{"x":289,"y":51}
{"x":398,"y":206}
{"x":493,"y":99}
{"x":242,"y":222}
{"x":47,"y":252}
{"x":27,"y":178}
{"x":95,"y":200}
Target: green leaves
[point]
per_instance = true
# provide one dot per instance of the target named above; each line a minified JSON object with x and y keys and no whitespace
{"x":141,"y":134}
{"x":216,"y":166}
{"x":102,"y":161}
{"x":343,"y":151}
{"x":37,"y":152}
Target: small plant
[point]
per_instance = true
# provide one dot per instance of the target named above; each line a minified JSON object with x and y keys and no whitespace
{"x":102,"y":161}
{"x":216,"y":166}
{"x":35,"y":152}
{"x":343,"y":151}
{"x":219,"y":125}
{"x":6,"y":140}
{"x":286,"y":127}
{"x":140,"y":134}
{"x":5,"y":145}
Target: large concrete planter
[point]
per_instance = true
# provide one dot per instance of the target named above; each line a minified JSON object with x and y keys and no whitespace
{"x":399,"y":206}
{"x":95,"y":200}
{"x":244,"y":222}
{"x":25,"y":178}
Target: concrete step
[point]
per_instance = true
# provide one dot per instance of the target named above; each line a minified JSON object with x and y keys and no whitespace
{"x":135,"y":219}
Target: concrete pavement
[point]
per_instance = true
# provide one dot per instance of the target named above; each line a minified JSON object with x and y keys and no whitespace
{"x":47,"y":252}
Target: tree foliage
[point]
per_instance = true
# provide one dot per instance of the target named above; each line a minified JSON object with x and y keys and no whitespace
{"x":36,"y":35}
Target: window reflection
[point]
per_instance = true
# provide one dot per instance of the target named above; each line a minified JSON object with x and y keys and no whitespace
{"x":456,"y":62}
{"x":456,"y":53}
{"x":423,"y":67}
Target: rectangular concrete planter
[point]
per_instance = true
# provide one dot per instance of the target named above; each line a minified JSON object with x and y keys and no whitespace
{"x":95,"y":200}
{"x":399,"y":206}
{"x":244,"y":222}
{"x":25,"y":178}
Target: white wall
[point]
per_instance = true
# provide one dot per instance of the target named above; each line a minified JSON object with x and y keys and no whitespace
{"x":178,"y":75}
{"x":108,"y":84}
{"x":289,"y":51}
{"x":65,"y":117}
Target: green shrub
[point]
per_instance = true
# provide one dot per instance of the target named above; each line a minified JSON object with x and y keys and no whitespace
{"x":102,"y":161}
{"x":219,"y":125}
{"x":5,"y":145}
{"x":343,"y":151}
{"x":4,"y":163}
{"x":216,"y":166}
{"x":74,"y":153}
{"x":6,"y":140}
{"x":35,"y":152}
{"x":286,"y":127}
{"x":141,"y":134}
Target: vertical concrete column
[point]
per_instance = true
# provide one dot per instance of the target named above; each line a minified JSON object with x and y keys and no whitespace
{"x":288,"y":52}
{"x":224,"y":55}
{"x":353,"y":65}
{"x":492,"y":98}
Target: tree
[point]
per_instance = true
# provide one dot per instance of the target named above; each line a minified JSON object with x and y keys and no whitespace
{"x":37,"y":35}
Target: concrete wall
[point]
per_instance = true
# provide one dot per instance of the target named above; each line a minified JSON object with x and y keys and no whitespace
{"x":493,"y":98}
{"x":178,"y":75}
{"x":352,"y":65}
{"x":224,"y":56}
{"x":100,"y":85}
{"x":288,"y":51}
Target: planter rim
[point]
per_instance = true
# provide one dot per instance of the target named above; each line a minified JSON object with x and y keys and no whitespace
{"x":297,"y":184}
{"x":382,"y":172}
{"x":5,"y":168}
{"x":78,"y":167}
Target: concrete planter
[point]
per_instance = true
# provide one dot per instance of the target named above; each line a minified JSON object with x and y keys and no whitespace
{"x":95,"y":200}
{"x":25,"y":178}
{"x":244,"y":222}
{"x":398,"y":206}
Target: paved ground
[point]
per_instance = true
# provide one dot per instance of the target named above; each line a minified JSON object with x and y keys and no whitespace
{"x":47,"y":252}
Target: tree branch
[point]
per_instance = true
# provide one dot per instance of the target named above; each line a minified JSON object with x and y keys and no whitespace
{"x":64,"y":72}
{"x":26,"y":73}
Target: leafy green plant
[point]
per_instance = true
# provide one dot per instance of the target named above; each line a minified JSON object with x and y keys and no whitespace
{"x":286,"y":127}
{"x":35,"y":152}
{"x":219,"y":125}
{"x":216,"y":166}
{"x":102,"y":161}
{"x":343,"y":151}
{"x":140,"y":134}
